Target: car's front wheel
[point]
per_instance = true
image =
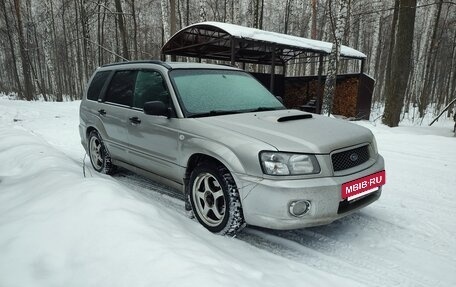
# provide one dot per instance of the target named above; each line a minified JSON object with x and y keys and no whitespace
{"x":99,"y":155}
{"x":215,"y":200}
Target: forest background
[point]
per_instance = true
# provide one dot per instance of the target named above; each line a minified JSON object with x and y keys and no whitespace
{"x":49,"y":48}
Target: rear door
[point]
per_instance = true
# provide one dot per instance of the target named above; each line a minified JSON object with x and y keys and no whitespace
{"x":153,"y":139}
{"x":114,"y":112}
{"x":90,"y":106}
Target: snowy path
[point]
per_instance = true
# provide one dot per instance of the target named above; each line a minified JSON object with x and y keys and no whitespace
{"x":318,"y":247}
{"x":404,"y":239}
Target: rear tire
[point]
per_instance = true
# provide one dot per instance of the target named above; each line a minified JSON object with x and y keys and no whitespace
{"x":99,"y":155}
{"x":215,"y":200}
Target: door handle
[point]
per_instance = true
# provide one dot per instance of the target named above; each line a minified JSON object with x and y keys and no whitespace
{"x":102,"y":112}
{"x":135,"y":120}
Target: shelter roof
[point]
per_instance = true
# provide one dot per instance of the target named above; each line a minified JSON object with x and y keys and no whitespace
{"x":223,"y":41}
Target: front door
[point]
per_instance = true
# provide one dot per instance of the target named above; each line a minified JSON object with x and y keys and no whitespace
{"x":153,"y":139}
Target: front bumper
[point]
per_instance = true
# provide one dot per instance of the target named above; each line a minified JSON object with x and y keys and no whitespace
{"x":266,"y":201}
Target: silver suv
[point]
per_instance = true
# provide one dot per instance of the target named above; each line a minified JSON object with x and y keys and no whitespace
{"x":237,"y":153}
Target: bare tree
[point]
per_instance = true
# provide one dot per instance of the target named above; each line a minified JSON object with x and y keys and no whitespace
{"x":330,"y":83}
{"x":202,"y":11}
{"x":122,"y":29}
{"x":12,"y":49}
{"x":400,"y":63}
{"x":28,"y":85}
{"x":64,"y":41}
{"x":430,"y":64}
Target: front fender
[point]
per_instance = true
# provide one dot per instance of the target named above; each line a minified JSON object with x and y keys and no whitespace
{"x":213,"y":149}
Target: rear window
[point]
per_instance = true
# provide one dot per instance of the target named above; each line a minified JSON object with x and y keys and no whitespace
{"x":97,"y":84}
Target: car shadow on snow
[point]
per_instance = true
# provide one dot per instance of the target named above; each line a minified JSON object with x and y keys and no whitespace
{"x":277,"y":241}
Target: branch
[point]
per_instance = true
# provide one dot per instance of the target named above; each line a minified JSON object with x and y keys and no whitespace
{"x":106,"y":49}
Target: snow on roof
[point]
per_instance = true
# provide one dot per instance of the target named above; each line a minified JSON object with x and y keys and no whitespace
{"x":282,"y":39}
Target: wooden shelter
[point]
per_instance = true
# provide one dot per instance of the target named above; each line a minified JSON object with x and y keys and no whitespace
{"x":237,"y":44}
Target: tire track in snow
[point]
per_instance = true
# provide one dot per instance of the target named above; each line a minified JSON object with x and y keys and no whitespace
{"x":145,"y":189}
{"x":306,"y":246}
{"x":419,"y":233}
{"x":331,"y":255}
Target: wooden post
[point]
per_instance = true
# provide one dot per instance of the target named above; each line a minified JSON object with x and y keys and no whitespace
{"x":319,"y":93}
{"x":271,"y":85}
{"x":233,"y":51}
{"x":362,"y":65}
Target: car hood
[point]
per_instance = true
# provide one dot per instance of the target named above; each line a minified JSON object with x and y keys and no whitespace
{"x":293,"y":130}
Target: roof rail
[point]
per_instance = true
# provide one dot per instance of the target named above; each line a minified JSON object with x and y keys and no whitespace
{"x":158,"y":62}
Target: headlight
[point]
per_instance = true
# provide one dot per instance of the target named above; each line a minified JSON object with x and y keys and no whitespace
{"x":281,"y":163}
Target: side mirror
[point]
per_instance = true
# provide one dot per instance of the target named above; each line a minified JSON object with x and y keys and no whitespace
{"x":156,"y":108}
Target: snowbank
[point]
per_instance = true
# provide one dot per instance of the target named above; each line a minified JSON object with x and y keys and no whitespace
{"x":58,"y":228}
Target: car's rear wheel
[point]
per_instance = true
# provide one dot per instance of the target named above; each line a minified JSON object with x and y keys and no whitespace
{"x":215,"y":200}
{"x":99,"y":155}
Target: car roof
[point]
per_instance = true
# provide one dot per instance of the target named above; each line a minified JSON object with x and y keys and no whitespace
{"x":167,"y":65}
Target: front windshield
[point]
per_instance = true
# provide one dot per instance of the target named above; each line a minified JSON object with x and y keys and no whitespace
{"x":212,"y":92}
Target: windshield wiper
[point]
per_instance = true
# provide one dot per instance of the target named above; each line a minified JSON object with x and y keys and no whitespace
{"x":265,"y":109}
{"x":213,"y":113}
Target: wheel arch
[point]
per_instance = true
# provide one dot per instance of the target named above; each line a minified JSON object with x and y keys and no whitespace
{"x":99,"y":129}
{"x":196,"y":159}
{"x":89,"y":130}
{"x":229,"y":161}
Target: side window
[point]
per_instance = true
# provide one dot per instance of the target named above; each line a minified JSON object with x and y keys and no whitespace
{"x":121,"y":88}
{"x":97,"y":84}
{"x":150,"y":86}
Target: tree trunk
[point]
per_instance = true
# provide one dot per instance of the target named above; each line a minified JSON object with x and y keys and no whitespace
{"x":187,"y":18}
{"x":313,"y":32}
{"x":172,"y":17}
{"x":260,"y":24}
{"x":400,"y":62}
{"x":430,"y":64}
{"x":202,"y":11}
{"x":165,"y":22}
{"x":85,"y":39}
{"x":286,"y":19}
{"x":28,"y":85}
{"x":135,"y":28}
{"x":388,"y":80}
{"x":330,"y":83}
{"x":12,"y":50}
{"x":172,"y":22}
{"x":373,"y":62}
{"x":256,"y":6}
{"x":56,"y":66}
{"x":236,"y":12}
{"x":122,"y":29}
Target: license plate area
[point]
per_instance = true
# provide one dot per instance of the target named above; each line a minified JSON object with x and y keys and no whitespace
{"x":362,"y":186}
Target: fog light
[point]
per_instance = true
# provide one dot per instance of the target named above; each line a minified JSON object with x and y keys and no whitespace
{"x":300,"y":207}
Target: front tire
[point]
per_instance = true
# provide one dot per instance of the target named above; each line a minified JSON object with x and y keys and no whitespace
{"x":99,"y":155}
{"x":215,"y":200}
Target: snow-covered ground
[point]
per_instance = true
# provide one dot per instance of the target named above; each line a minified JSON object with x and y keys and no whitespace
{"x":59,"y":228}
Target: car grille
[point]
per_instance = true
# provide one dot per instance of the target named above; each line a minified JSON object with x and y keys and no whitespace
{"x":350,"y":158}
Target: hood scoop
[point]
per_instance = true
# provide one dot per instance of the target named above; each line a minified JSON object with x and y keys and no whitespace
{"x":294,"y":117}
